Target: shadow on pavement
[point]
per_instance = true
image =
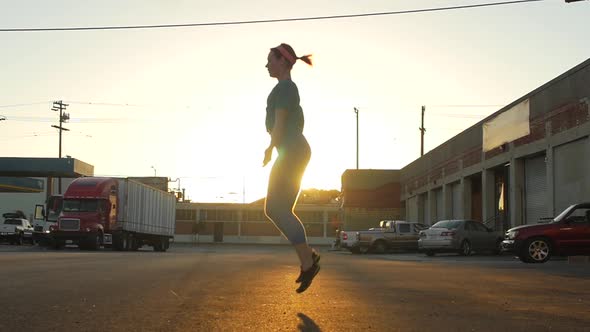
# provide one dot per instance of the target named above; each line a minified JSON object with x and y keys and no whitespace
{"x":307,"y":324}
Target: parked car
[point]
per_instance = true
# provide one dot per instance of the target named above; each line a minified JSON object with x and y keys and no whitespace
{"x":568,"y":234}
{"x":348,"y":240}
{"x":461,"y":236}
{"x":392,"y":235}
{"x":16,"y":230}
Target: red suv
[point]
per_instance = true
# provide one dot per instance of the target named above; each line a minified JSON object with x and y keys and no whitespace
{"x":568,"y":234}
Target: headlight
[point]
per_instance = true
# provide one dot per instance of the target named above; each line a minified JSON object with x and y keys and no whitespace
{"x":510,"y":235}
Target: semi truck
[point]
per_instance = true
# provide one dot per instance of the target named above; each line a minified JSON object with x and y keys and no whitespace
{"x":114,"y":212}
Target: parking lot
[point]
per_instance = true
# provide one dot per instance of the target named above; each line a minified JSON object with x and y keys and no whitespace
{"x":249,"y":287}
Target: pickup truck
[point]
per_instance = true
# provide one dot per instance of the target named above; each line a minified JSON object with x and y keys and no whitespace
{"x":392,"y":235}
{"x":16,"y":230}
{"x":349,"y":241}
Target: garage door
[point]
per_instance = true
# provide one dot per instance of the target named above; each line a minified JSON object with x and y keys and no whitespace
{"x":570,"y":174}
{"x":412,"y":208}
{"x":439,"y":205}
{"x":535,"y":173}
{"x":423,"y":208}
{"x":457,"y":200}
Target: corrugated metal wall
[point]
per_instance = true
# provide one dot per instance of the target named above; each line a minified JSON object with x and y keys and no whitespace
{"x":535,"y":173}
{"x":570,"y":174}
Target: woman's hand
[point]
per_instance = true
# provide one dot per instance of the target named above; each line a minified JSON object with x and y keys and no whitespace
{"x":267,"y":156}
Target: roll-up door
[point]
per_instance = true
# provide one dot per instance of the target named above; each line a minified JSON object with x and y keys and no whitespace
{"x":438,"y":195}
{"x":422,"y":211}
{"x":457,"y":200}
{"x":570,"y":170}
{"x":535,"y":174}
{"x":425,"y":216}
{"x":412,"y":208}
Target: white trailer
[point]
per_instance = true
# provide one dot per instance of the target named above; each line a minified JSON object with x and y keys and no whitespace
{"x":145,"y":214}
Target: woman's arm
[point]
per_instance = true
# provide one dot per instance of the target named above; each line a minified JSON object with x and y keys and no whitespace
{"x":276,"y":134}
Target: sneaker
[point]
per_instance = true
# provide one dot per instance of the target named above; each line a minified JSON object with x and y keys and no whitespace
{"x":307,"y":277}
{"x":316,"y":259}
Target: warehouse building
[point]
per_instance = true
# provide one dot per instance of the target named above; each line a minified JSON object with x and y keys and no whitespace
{"x":528,"y":161}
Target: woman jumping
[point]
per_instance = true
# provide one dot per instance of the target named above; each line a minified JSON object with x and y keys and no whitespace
{"x":284,"y":122}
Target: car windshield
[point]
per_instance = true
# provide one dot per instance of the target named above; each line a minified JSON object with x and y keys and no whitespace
{"x":80,"y":205}
{"x":563,"y":214}
{"x":17,"y":222}
{"x":448,"y":224}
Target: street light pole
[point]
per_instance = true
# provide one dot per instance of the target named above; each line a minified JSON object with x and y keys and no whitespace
{"x":356,"y":111}
{"x":154,"y":170}
{"x":422,"y":130}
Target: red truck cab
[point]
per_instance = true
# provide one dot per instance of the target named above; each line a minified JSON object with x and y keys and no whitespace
{"x":89,"y":213}
{"x":568,"y":234}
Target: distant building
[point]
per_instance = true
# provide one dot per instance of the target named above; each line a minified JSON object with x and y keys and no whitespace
{"x":158,"y":182}
{"x":368,"y":196}
{"x":246,"y":223}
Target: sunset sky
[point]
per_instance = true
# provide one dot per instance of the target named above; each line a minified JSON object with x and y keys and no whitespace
{"x":190,"y":102}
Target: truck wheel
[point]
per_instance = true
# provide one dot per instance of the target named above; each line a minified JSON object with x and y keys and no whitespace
{"x":498,"y":249}
{"x":537,"y":250}
{"x":465,"y":248}
{"x":95,"y":242}
{"x":355,"y":250}
{"x":124,"y":242}
{"x":380,"y":247}
{"x":158,"y":245}
{"x":429,"y":253}
{"x":19,"y":239}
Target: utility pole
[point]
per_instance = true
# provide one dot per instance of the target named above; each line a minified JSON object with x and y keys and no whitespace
{"x":422,"y":130}
{"x":356,"y":111}
{"x":63,"y":117}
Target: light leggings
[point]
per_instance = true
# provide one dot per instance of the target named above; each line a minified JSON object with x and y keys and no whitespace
{"x":283,"y":189}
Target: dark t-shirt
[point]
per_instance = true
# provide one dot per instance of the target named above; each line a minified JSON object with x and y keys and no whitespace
{"x":285,"y":96}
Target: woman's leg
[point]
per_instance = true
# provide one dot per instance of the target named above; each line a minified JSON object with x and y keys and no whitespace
{"x":283,"y":190}
{"x":280,"y":200}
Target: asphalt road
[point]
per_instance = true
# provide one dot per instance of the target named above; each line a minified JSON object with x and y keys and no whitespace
{"x":251,"y":288}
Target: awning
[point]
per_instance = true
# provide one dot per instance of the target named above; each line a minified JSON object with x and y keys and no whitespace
{"x":44,"y":167}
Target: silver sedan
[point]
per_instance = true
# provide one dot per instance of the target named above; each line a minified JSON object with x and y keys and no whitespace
{"x":461,"y":236}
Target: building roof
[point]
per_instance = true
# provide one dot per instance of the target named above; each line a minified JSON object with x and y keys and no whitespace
{"x":44,"y":167}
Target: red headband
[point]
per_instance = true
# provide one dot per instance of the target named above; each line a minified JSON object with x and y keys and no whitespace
{"x":286,"y":54}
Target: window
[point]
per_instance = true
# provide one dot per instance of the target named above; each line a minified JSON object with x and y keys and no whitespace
{"x":579,"y":215}
{"x":404,"y":228}
{"x":80,"y":205}
{"x":17,"y":222}
{"x":478,"y":227}
{"x":448,"y":224}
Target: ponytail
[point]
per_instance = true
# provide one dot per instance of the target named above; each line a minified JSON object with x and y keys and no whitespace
{"x":306,"y":59}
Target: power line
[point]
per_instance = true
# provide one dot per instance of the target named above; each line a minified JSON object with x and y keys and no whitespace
{"x":27,"y":104}
{"x":102,"y":104}
{"x":314,"y":18}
